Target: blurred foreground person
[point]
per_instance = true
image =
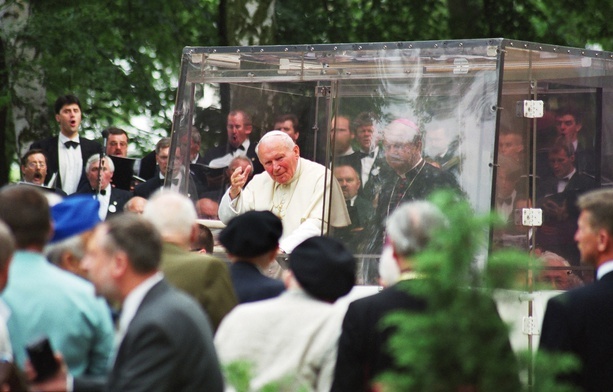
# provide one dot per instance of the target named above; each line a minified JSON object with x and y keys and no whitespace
{"x":364,"y":353}
{"x":204,"y":277}
{"x":74,"y":220}
{"x":252,"y":243}
{"x":579,"y":321}
{"x":45,"y":300}
{"x":293,"y":338}
{"x":164,"y":341}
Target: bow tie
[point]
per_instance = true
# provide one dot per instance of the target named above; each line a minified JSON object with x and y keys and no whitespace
{"x":367,"y":154}
{"x":233,"y":149}
{"x":103,"y":192}
{"x":71,"y":144}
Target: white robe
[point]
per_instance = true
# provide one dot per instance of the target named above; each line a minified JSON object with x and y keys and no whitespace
{"x":290,"y":338}
{"x":300,"y":205}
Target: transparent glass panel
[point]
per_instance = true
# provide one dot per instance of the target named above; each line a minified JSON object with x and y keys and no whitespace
{"x":393,"y":122}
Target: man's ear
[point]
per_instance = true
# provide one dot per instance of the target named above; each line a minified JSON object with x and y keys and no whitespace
{"x":69,"y":262}
{"x":193,"y":234}
{"x":604,"y":240}
{"x":120,"y":264}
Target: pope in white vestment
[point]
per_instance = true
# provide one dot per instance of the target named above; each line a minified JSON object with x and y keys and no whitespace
{"x":293,"y":188}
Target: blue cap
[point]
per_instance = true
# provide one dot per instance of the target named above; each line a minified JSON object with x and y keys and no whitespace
{"x":74,"y":215}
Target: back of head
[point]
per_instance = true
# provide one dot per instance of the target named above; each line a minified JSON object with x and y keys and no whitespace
{"x":7,"y":244}
{"x":172,"y":214}
{"x":137,"y":237}
{"x":26,"y":212}
{"x":252,"y":234}
{"x":204,"y":239}
{"x":599,"y":203}
{"x":324,"y":268}
{"x":413,"y":225}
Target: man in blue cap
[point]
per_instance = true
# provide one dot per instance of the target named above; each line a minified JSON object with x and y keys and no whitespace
{"x":74,"y":219}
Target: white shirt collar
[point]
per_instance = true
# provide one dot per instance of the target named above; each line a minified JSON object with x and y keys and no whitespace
{"x":349,"y":151}
{"x":352,"y":200}
{"x":63,"y":138}
{"x":604,"y":269}
{"x":134,"y":299}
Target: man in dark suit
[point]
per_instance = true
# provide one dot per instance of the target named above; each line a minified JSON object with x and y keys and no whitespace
{"x":202,"y":276}
{"x":239,"y":127}
{"x":67,"y":152}
{"x":362,"y":348}
{"x":252,"y":243}
{"x":579,"y":321}
{"x":565,"y":177}
{"x":360,"y":209}
{"x":164,"y":338}
{"x":342,"y":136}
{"x":406,"y":176}
{"x":569,"y":125}
{"x":162,"y":156}
{"x":112,"y":200}
{"x":557,"y":196}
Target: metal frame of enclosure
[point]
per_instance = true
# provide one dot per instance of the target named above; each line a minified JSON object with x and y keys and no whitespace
{"x":463,"y":94}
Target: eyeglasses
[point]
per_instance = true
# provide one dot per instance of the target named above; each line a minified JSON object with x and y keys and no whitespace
{"x":34,"y":165}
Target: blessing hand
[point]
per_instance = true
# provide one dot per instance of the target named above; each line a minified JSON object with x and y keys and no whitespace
{"x":238,"y":179}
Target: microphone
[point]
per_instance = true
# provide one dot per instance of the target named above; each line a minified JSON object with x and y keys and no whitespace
{"x":105,"y":138}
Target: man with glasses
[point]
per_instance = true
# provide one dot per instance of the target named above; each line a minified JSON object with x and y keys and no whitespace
{"x":410,"y":177}
{"x":117,"y":142}
{"x":34,"y":169}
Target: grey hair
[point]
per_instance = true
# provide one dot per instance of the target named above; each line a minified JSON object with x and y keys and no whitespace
{"x":73,"y":244}
{"x":412,"y":226}
{"x":286,"y":140}
{"x":172,"y":214}
{"x":96,"y":157}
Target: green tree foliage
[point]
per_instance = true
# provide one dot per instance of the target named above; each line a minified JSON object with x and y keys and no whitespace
{"x":122,"y":56}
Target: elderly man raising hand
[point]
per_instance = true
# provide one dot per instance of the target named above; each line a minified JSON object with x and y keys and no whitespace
{"x":295,"y":189}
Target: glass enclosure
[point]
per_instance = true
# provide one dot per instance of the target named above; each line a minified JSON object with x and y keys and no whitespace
{"x":504,"y":122}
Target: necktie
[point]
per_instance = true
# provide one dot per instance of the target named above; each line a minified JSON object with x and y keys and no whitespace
{"x":71,"y":144}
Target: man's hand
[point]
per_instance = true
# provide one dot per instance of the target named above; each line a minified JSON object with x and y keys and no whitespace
{"x":57,"y":383}
{"x":238,"y":179}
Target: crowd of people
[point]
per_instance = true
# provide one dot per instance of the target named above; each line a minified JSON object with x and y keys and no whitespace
{"x":120,"y":277}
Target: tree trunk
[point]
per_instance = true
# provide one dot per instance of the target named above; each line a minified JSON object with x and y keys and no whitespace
{"x":25,"y":88}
